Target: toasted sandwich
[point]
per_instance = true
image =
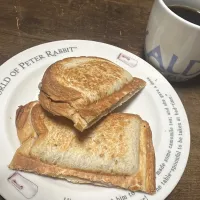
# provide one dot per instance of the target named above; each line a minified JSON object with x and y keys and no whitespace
{"x":84,"y":89}
{"x":116,"y":152}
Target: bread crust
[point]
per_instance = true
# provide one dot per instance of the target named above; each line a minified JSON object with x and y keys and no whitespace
{"x":86,"y":108}
{"x":23,"y":122}
{"x":143,"y":180}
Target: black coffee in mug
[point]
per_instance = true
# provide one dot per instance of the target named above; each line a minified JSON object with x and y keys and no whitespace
{"x":187,"y":13}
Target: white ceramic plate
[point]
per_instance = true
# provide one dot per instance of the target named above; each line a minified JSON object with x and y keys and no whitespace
{"x":158,"y":104}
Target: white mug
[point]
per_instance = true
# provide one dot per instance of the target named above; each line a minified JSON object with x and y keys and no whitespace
{"x":172,"y":44}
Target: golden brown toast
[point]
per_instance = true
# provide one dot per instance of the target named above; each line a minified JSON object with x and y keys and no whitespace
{"x":117,"y":151}
{"x":84,"y":89}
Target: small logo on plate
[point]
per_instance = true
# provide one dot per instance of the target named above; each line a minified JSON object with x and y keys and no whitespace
{"x":127,"y":60}
{"x":27,"y":188}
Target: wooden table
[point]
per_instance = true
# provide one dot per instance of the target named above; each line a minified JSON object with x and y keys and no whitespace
{"x":26,"y":23}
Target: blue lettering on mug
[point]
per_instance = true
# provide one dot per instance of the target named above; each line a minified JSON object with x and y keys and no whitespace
{"x":189,"y":67}
{"x":171,"y":64}
{"x":156,"y":53}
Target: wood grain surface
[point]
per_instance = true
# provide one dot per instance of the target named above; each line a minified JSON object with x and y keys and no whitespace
{"x":26,"y":23}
